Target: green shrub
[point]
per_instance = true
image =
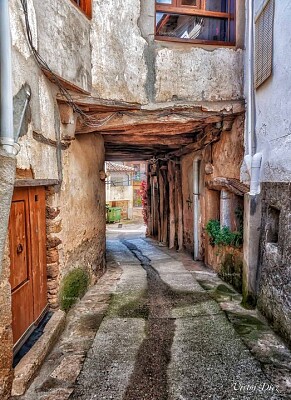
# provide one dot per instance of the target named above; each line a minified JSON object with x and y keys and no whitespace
{"x":73,"y":288}
{"x":222,"y":236}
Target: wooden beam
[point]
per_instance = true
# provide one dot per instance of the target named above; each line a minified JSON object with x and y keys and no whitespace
{"x":179,"y":208}
{"x":211,"y":135}
{"x":148,"y":121}
{"x":55,"y":78}
{"x":172,"y":189}
{"x":146,"y":139}
{"x":35,"y":182}
{"x":96,"y":105}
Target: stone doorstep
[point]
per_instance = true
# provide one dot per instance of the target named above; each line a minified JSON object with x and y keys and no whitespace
{"x":32,"y":361}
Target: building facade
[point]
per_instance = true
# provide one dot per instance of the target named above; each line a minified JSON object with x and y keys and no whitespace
{"x":162,"y":82}
{"x":119,"y":188}
{"x":271,"y":144}
{"x":57,"y":216}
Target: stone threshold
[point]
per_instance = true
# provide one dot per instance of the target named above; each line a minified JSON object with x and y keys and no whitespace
{"x":29,"y":365}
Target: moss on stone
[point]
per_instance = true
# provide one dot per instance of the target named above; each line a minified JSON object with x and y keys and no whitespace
{"x":224,"y":289}
{"x":249,"y":302}
{"x":247,"y":324}
{"x":129,"y":305}
{"x":73,"y":287}
{"x":232,"y":270}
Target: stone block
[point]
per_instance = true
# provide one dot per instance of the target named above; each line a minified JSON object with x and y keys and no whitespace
{"x":52,"y":257}
{"x":52,"y":284}
{"x":54,"y":226}
{"x":53,"y":270}
{"x":53,"y":242}
{"x":31,"y":362}
{"x":52,"y":212}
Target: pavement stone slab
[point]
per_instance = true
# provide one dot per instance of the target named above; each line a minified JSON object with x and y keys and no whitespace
{"x":160,"y":326}
{"x":110,"y":362}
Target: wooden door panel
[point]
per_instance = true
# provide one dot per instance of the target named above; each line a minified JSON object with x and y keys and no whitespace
{"x":27,"y":238}
{"x":18,"y":245}
{"x":38,"y":249}
{"x":22,"y":311}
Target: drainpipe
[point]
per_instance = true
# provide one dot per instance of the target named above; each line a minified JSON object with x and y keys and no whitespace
{"x":250,"y":82}
{"x":225,"y":207}
{"x":253,"y":160}
{"x":196,"y":168}
{"x":252,"y":201}
{"x":6,"y":97}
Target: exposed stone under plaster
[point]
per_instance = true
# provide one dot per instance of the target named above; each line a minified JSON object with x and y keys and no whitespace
{"x":274,"y":297}
{"x":224,"y":157}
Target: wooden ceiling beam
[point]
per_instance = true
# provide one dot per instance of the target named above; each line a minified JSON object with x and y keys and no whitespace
{"x":147,"y":122}
{"x":146,"y":139}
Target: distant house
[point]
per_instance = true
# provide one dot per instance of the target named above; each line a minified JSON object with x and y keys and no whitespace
{"x":138,"y":177}
{"x":119,"y":187}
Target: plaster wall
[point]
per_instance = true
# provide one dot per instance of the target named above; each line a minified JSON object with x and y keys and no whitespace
{"x":221,"y":159}
{"x":121,"y":196}
{"x":121,"y":193}
{"x":60,"y":33}
{"x":76,"y":207}
{"x":273,"y":103}
{"x":268,"y":276}
{"x":128,"y":64}
{"x":7,"y":172}
{"x":80,"y":236}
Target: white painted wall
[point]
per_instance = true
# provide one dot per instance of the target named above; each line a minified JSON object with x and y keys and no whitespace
{"x":273,"y":102}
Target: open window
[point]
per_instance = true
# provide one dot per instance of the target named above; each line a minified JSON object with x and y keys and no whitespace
{"x":196,"y":21}
{"x":85,"y":6}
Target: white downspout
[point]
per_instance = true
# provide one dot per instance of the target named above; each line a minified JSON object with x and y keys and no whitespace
{"x":250,"y":82}
{"x":196,"y":208}
{"x":225,"y":207}
{"x":6,"y":96}
{"x":253,"y":160}
{"x":252,"y":208}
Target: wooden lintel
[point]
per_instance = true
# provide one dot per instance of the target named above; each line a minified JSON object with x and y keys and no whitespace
{"x":210,"y":135}
{"x":55,"y":78}
{"x":35,"y":182}
{"x":96,"y":105}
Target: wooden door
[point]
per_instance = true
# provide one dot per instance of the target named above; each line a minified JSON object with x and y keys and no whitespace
{"x":27,"y":237}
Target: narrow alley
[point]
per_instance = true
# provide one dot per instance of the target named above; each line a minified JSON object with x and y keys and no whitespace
{"x":158,"y":326}
{"x":145,"y":200}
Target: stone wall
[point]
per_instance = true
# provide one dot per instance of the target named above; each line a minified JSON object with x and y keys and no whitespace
{"x":6,"y":338}
{"x":272,"y":138}
{"x":128,"y":64}
{"x":274,"y":297}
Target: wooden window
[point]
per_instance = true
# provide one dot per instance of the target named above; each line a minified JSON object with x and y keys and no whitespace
{"x":196,"y":21}
{"x":264,"y":43}
{"x":85,"y":6}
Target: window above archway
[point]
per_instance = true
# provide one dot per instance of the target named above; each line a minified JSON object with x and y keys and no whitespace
{"x":85,"y":6}
{"x":196,"y":21}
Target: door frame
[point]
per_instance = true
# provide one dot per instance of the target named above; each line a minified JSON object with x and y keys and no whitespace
{"x":35,"y":228}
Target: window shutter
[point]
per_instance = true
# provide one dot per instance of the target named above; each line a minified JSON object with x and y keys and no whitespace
{"x":264,"y":43}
